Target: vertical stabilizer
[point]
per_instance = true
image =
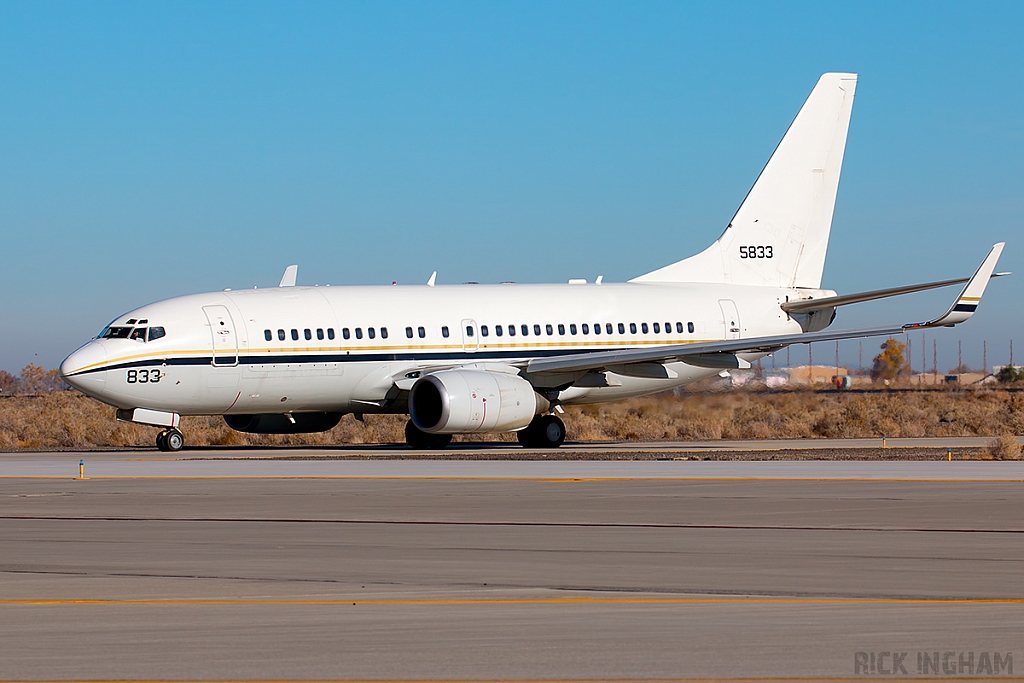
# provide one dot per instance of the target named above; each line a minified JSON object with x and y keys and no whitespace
{"x":779,"y":235}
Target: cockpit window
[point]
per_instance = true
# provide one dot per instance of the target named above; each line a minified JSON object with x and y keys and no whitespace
{"x":156,"y":333}
{"x":115,"y":333}
{"x":138,"y":333}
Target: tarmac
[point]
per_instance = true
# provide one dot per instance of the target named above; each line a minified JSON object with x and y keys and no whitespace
{"x":261,"y":567}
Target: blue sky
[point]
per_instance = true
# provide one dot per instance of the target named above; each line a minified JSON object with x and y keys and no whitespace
{"x":155,"y":149}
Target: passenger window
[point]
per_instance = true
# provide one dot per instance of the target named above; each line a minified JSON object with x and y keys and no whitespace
{"x":444,"y":331}
{"x":586,"y":328}
{"x":622,"y":328}
{"x":319,"y":333}
{"x":498,"y":330}
{"x":383,"y":333}
{"x":330,"y":333}
{"x":295,"y":334}
{"x":371,"y":333}
{"x":547,"y":328}
{"x":561,"y":329}
{"x":307,"y":333}
{"x":536,"y":330}
{"x":158,"y":332}
{"x":597,"y":328}
{"x":511,"y":330}
{"x":679,"y":328}
{"x":572,"y":328}
{"x":469,"y":330}
{"x":408,"y":332}
{"x":608,"y":328}
{"x":483,"y":330}
{"x":643,"y":327}
{"x":280,"y":335}
{"x":668,"y":328}
{"x":359,"y":333}
{"x":345,"y":333}
{"x":657,"y":328}
{"x":267,"y":334}
{"x":632,"y":328}
{"x":525,"y":330}
{"x":421,"y":332}
{"x":689,"y":326}
{"x":139,"y":334}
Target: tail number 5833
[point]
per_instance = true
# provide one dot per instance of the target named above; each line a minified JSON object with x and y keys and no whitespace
{"x":756,"y":252}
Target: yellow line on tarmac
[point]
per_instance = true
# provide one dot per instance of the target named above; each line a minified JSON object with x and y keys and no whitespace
{"x":592,"y":679}
{"x":549,"y":480}
{"x":176,"y":602}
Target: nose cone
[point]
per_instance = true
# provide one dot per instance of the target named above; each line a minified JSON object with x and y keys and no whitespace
{"x":75,"y":370}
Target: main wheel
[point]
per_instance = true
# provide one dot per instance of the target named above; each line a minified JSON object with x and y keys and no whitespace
{"x":546,"y":431}
{"x":422,"y":441}
{"x":161,"y":441}
{"x":175,"y":441}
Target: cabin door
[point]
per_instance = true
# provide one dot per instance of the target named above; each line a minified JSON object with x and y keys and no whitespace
{"x":222,"y":329}
{"x":731,"y":318}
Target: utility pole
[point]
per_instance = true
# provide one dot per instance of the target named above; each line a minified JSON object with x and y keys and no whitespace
{"x":959,"y":357}
{"x":924,"y":357}
{"x":1011,"y":353}
{"x":810,"y":366}
{"x":935,"y":360}
{"x":984,"y":357}
{"x":837,"y":357}
{"x":860,"y":358}
{"x":910,"y":356}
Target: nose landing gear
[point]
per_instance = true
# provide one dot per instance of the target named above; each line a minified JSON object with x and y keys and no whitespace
{"x":170,"y":441}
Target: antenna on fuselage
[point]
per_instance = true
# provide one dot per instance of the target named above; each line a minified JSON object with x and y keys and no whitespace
{"x":288,"y":279}
{"x":433,"y":277}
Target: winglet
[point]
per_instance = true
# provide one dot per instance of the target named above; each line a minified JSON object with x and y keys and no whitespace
{"x":288,"y":279}
{"x":433,"y":277}
{"x":965,"y":304}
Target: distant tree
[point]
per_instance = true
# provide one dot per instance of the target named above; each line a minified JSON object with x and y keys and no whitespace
{"x":37,"y":380}
{"x":9,"y":384}
{"x":962,"y":369}
{"x":1010,"y":374}
{"x":891,"y":363}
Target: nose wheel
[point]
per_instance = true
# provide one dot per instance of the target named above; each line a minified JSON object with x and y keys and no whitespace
{"x":170,"y":441}
{"x":546,"y":431}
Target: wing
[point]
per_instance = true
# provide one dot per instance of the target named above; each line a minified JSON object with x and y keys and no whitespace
{"x":722,"y":354}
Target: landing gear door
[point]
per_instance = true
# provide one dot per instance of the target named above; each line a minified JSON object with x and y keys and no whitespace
{"x":731,"y":318}
{"x":470,"y":336}
{"x":225,"y":340}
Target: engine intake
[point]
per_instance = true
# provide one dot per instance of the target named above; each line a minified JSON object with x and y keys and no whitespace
{"x":304,"y":423}
{"x":466,"y":401}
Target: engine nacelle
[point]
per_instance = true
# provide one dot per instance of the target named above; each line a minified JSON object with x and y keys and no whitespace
{"x":300,"y":423}
{"x":465,"y":401}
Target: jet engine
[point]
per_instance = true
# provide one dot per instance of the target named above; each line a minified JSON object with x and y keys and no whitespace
{"x":463,"y":401}
{"x":299,"y":423}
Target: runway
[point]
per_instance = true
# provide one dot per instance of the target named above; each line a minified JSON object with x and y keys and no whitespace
{"x":477,"y":570}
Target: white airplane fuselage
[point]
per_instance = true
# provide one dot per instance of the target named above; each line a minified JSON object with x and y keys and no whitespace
{"x":214,"y":356}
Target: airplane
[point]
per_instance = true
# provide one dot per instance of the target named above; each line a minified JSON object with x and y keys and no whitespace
{"x":472,"y":358}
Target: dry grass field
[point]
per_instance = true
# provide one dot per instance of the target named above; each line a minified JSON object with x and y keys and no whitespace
{"x":68,"y":420}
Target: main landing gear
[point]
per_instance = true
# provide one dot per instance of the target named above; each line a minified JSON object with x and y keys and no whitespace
{"x":170,"y":440}
{"x":546,"y":431}
{"x":422,"y":441}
